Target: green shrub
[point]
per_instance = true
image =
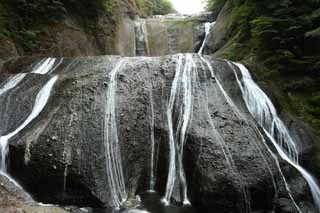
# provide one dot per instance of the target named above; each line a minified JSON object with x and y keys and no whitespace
{"x":155,"y":7}
{"x":28,"y":39}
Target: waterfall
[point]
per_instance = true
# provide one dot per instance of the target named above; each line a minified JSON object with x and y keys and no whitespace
{"x":152,"y":160}
{"x":142,"y":44}
{"x":40,"y":102}
{"x":181,"y":89}
{"x":262,"y":109}
{"x":111,"y":142}
{"x":228,"y":156}
{"x":45,"y":66}
{"x":12,"y":83}
{"x":208,"y":26}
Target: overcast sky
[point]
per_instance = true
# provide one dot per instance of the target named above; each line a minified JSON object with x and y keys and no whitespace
{"x":188,"y":6}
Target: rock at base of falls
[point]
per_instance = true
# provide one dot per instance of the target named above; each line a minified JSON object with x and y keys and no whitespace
{"x":14,"y":199}
{"x":60,"y":157}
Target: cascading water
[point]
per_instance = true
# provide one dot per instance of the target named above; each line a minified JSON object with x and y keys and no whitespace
{"x":111,"y":142}
{"x":228,"y":156}
{"x":208,"y":27}
{"x":262,"y":109}
{"x":152,"y":160}
{"x":180,"y":105}
{"x":142,"y":44}
{"x":179,"y":115}
{"x":45,"y":66}
{"x":12,"y":83}
{"x":40,"y":102}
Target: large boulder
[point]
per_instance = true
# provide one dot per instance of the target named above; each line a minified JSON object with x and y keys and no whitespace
{"x":15,"y":199}
{"x":60,"y":156}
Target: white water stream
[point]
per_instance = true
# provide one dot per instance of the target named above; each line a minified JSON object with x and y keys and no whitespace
{"x":111,"y":141}
{"x":40,"y":102}
{"x":262,"y":109}
{"x":180,"y":105}
{"x":208,"y":27}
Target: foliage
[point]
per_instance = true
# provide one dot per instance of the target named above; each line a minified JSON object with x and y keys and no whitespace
{"x":4,"y":32}
{"x":155,"y":7}
{"x":108,"y":6}
{"x":28,"y":39}
{"x":218,"y":4}
{"x":213,"y":4}
{"x":283,"y":37}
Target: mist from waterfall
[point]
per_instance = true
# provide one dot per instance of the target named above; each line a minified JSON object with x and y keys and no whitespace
{"x":262,"y":109}
{"x":111,"y":141}
{"x":180,"y":107}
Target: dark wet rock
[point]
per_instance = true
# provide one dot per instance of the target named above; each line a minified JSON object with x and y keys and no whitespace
{"x":226,"y":161}
{"x":15,"y":199}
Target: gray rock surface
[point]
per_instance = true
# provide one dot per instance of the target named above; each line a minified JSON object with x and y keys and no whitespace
{"x":60,"y":157}
{"x":15,"y":199}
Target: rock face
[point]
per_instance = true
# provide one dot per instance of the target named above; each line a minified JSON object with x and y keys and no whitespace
{"x":14,"y":199}
{"x":60,"y":157}
{"x":220,"y":34}
{"x":163,"y":35}
{"x":91,"y":28}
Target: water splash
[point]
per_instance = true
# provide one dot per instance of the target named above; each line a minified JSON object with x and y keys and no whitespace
{"x":40,"y":102}
{"x":180,"y":105}
{"x":111,"y":141}
{"x":208,"y":26}
{"x":262,"y":109}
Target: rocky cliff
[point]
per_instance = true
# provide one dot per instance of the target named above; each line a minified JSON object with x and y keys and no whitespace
{"x":278,"y":41}
{"x":70,"y":28}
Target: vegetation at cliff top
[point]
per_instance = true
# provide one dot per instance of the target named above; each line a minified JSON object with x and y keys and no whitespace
{"x":155,"y":7}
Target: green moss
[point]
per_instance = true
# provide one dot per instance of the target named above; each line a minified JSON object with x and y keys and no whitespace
{"x":108,"y":6}
{"x":155,"y":7}
{"x":314,"y":33}
{"x":269,"y":37}
{"x":28,"y":39}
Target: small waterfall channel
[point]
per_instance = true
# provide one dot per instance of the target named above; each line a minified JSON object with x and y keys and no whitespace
{"x":112,"y":149}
